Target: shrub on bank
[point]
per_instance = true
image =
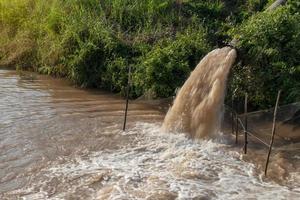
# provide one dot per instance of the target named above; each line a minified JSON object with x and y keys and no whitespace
{"x":93,"y":42}
{"x":166,"y":67}
{"x":269,"y":44}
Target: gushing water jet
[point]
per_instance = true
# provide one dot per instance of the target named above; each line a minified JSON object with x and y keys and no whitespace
{"x":197,"y":108}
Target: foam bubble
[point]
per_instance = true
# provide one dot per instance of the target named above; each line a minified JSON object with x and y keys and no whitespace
{"x":155,"y":165}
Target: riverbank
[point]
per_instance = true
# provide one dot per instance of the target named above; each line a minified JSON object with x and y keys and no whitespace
{"x":93,"y":44}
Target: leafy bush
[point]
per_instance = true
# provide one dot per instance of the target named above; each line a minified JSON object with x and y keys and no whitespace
{"x":169,"y":63}
{"x":269,"y":43}
{"x":93,"y":42}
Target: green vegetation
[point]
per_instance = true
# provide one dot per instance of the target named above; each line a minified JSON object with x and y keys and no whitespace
{"x":93,"y":42}
{"x":269,"y":43}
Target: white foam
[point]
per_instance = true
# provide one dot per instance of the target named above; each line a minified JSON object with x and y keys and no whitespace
{"x":154,"y":162}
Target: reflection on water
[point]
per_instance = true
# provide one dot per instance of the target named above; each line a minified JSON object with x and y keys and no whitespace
{"x":58,"y":142}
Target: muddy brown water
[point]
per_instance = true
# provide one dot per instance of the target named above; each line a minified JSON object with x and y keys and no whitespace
{"x":198,"y":106}
{"x":59,"y":142}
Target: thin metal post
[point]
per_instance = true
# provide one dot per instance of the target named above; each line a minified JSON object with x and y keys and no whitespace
{"x":232,"y":116}
{"x":273,"y":131}
{"x":127,"y":98}
{"x":236,"y":128}
{"x":246,"y":123}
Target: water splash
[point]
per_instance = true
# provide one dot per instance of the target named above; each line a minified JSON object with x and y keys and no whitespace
{"x":44,"y":156}
{"x":154,"y":166}
{"x":198,"y":106}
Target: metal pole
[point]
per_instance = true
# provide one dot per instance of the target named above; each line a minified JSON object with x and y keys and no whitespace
{"x":273,"y":131}
{"x":127,"y":98}
{"x":232,"y":116}
{"x":236,"y":128}
{"x":246,"y":123}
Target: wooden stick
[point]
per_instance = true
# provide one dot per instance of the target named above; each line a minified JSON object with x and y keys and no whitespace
{"x":273,"y":131}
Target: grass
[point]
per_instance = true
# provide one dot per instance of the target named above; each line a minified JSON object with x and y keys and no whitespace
{"x":93,"y":42}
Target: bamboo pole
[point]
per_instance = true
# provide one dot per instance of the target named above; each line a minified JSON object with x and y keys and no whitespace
{"x":273,"y":131}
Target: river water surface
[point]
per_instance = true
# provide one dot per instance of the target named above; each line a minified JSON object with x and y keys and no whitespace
{"x":59,"y":142}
